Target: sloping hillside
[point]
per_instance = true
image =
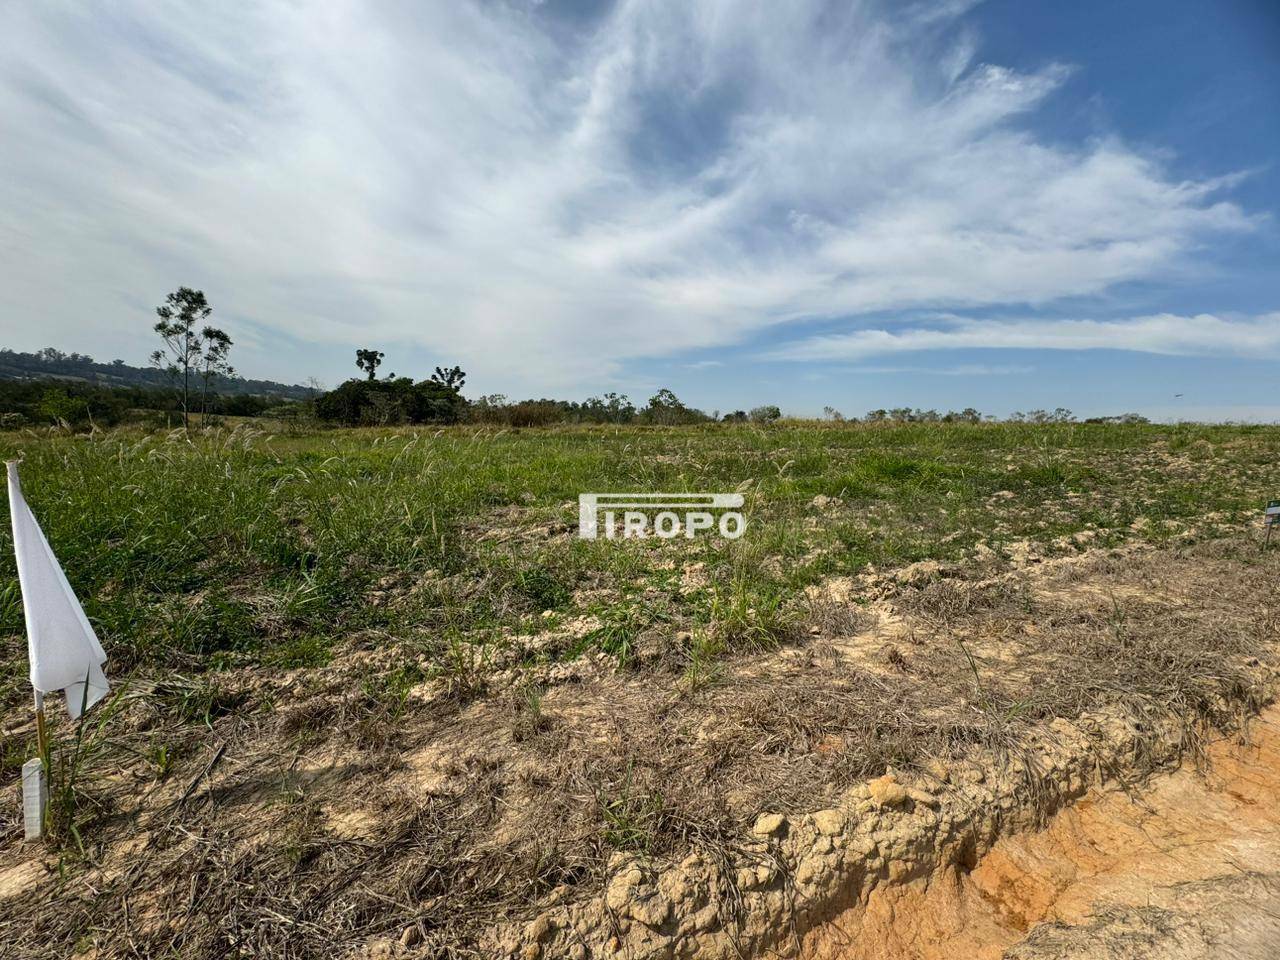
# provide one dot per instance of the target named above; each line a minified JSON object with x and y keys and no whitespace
{"x":50,"y":363}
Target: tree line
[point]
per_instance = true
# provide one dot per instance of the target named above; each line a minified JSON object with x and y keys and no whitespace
{"x":193,"y":361}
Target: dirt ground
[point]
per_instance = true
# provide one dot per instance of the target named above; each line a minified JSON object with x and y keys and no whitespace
{"x":944,"y":756}
{"x":1187,"y":867}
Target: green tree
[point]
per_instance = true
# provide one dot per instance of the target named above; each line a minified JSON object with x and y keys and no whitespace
{"x":217,"y":347}
{"x":183,"y":348}
{"x":452,"y":377}
{"x":369,"y":361}
{"x":63,"y":410}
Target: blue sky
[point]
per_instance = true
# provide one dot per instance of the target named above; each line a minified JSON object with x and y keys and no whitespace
{"x":1005,"y":205}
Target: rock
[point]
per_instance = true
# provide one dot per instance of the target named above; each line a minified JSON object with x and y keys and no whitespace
{"x":706,"y":918}
{"x":675,"y":886}
{"x":922,"y":796}
{"x":411,"y":936}
{"x":622,"y":888}
{"x":830,"y":822}
{"x":822,"y":501}
{"x":920,"y":572}
{"x":768,"y":824}
{"x":652,"y":910}
{"x":938,"y":769}
{"x":886,"y":791}
{"x":539,"y":928}
{"x":806,"y":872}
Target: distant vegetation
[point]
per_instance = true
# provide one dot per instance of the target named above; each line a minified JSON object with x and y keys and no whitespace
{"x":52,"y":364}
{"x":192,"y":372}
{"x":81,"y":405}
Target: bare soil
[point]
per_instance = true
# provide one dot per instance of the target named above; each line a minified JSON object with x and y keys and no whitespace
{"x":936,"y":756}
{"x":1186,"y":868}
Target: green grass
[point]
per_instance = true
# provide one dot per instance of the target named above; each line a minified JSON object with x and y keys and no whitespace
{"x":240,"y":548}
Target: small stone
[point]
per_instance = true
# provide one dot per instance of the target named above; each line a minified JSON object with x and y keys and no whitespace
{"x":937,"y":769}
{"x":675,"y":886}
{"x":621,"y":889}
{"x":411,"y":936}
{"x":886,"y":791}
{"x":768,"y":824}
{"x":652,"y":911}
{"x":922,"y":796}
{"x":829,"y":822}
{"x":706,"y":918}
{"x":539,"y":928}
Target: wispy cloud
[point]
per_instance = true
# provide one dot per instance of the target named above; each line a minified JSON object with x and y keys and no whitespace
{"x":1201,"y":335}
{"x":543,"y":200}
{"x":960,"y":370}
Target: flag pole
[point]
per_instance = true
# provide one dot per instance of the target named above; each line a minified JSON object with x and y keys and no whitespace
{"x":42,"y":732}
{"x":35,"y":779}
{"x":35,"y":772}
{"x":64,"y":651}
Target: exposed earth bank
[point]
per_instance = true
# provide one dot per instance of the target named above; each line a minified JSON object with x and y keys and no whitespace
{"x":1188,"y":868}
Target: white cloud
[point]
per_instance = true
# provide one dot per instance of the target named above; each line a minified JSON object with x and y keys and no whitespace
{"x":1201,"y":335}
{"x":542,"y":201}
{"x":959,"y":370}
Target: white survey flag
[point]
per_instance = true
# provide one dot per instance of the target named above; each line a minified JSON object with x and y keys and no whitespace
{"x":65,"y":653}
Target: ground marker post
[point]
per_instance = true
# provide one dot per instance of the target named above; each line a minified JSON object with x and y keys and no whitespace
{"x":35,"y":785}
{"x":62,"y":648}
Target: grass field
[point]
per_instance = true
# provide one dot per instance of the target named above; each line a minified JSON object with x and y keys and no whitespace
{"x":248,"y":548}
{"x":294,"y":596}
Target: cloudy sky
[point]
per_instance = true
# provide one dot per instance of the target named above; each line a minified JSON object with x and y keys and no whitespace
{"x":857,"y":204}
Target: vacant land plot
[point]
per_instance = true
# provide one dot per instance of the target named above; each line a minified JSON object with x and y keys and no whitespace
{"x":376,"y":697}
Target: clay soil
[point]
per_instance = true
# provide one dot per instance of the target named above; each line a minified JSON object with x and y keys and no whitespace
{"x":1011,"y":756}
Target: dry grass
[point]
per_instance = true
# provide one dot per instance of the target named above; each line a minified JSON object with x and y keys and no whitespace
{"x":334,"y":807}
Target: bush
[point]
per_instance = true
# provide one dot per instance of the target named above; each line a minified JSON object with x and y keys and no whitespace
{"x":666,"y":409}
{"x":766,"y":414}
{"x":393,"y":401}
{"x":496,"y":409}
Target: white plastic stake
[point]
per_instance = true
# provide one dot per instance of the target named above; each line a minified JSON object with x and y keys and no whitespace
{"x":35,"y":797}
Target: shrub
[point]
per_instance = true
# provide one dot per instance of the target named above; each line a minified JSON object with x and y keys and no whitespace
{"x":385,"y":402}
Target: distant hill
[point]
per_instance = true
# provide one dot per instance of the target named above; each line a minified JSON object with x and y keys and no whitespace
{"x":54,"y":364}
